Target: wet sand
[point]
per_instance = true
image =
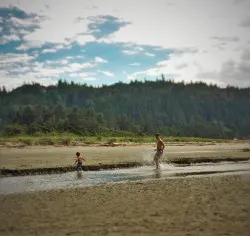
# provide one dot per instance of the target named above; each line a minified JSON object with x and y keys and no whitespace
{"x":185,"y":206}
{"x":49,"y":156}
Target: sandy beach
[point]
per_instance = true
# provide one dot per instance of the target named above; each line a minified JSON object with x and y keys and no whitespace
{"x":185,"y":206}
{"x":49,"y":156}
{"x":207,"y":205}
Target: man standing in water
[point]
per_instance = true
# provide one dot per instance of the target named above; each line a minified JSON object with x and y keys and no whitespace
{"x":159,"y":150}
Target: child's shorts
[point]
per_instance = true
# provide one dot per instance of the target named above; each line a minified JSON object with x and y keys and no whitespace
{"x":79,"y":165}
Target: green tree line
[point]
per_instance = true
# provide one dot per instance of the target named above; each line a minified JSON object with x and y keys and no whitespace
{"x":139,"y":108}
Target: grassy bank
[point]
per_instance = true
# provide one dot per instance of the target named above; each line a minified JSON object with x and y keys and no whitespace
{"x":71,"y":139}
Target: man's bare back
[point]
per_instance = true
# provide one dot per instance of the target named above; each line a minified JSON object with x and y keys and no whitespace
{"x":159,"y":151}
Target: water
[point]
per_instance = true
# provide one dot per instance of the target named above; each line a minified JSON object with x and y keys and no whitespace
{"x":21,"y":184}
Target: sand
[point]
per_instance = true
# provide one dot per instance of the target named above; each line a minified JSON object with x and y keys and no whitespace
{"x":49,"y":156}
{"x":185,"y":206}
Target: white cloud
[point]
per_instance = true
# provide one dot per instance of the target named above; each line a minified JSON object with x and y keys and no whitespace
{"x":88,"y":78}
{"x":64,"y":62}
{"x":79,"y":57}
{"x":15,"y":81}
{"x":106,"y":73}
{"x":130,"y":52}
{"x":226,"y":39}
{"x":8,"y":38}
{"x":245,"y":23}
{"x":29,"y":22}
{"x":83,"y":39}
{"x":181,"y":66}
{"x":218,"y":30}
{"x":10,"y":59}
{"x":162,"y":63}
{"x":30,"y":44}
{"x":132,"y":49}
{"x":135,"y":64}
{"x":149,"y":54}
{"x":49,"y":50}
{"x":21,"y":69}
{"x":190,"y":67}
{"x":77,"y":66}
{"x":100,"y":60}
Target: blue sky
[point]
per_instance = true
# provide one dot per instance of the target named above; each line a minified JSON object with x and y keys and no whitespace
{"x":103,"y":42}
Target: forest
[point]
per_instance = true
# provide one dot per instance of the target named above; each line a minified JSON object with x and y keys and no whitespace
{"x":138,"y":108}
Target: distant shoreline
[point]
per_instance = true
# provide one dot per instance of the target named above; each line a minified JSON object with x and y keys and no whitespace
{"x":110,"y":141}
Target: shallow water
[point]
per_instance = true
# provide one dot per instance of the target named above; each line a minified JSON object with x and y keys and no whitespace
{"x":21,"y":184}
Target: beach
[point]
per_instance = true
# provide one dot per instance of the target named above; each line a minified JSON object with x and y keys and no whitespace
{"x":209,"y":205}
{"x":32,"y":157}
{"x":192,"y":205}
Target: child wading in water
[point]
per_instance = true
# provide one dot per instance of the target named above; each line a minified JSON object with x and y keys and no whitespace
{"x":79,"y":160}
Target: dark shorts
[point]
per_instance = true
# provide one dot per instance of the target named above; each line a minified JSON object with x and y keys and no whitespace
{"x":158,"y":155}
{"x":79,"y":165}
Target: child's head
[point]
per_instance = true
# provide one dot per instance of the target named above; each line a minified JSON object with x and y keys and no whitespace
{"x":78,"y":154}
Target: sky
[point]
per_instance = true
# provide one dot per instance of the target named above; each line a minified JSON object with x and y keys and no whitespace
{"x":108,"y":41}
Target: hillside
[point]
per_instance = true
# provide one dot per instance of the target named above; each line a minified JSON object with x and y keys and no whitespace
{"x":170,"y":108}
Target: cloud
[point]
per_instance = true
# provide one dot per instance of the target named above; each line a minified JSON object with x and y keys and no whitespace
{"x":49,"y":50}
{"x":56,"y":47}
{"x":104,"y":25}
{"x":83,"y":39}
{"x":8,"y":38}
{"x":132,"y":49}
{"x":16,"y":81}
{"x":135,"y":64}
{"x":82,"y":74}
{"x":245,"y":23}
{"x":130,"y":52}
{"x":100,"y":60}
{"x":226,"y":39}
{"x":16,"y":24}
{"x":149,"y":54}
{"x":202,"y":37}
{"x":29,"y":44}
{"x":11,"y":59}
{"x":77,"y":66}
{"x":151,"y":74}
{"x":181,"y":66}
{"x":246,"y":55}
{"x":24,"y":23}
{"x":232,"y":73}
{"x":106,"y":73}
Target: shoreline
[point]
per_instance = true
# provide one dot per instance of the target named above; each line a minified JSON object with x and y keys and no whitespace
{"x":20,"y":144}
{"x":56,"y":170}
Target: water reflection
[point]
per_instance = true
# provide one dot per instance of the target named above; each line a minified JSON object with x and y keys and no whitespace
{"x":158,"y":173}
{"x":79,"y":174}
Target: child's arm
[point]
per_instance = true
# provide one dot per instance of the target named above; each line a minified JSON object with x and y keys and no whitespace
{"x":83,"y":158}
{"x":76,"y":160}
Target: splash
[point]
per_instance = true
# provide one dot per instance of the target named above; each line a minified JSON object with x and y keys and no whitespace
{"x":147,"y":157}
{"x":165,"y":166}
